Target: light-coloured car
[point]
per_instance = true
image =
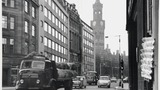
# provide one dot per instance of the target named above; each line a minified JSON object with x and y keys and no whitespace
{"x":104,"y":81}
{"x":80,"y":82}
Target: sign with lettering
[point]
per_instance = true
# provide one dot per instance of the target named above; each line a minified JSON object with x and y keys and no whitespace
{"x":147,"y":53}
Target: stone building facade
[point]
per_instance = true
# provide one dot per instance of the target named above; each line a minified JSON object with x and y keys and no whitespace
{"x":19,"y":34}
{"x":88,"y":52}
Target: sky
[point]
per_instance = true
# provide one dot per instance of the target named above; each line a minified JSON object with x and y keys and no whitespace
{"x":114,"y":14}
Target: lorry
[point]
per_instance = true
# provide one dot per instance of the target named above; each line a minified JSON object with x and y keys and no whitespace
{"x":38,"y":72}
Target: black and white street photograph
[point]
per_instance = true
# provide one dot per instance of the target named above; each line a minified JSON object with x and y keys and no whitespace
{"x":80,"y":45}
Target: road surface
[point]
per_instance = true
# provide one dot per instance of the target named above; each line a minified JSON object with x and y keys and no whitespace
{"x":90,"y":87}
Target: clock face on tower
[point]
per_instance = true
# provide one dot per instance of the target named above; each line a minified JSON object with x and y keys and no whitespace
{"x":94,"y":23}
{"x":101,"y":23}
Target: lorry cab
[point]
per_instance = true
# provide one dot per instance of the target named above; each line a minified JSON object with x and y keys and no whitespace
{"x":36,"y":73}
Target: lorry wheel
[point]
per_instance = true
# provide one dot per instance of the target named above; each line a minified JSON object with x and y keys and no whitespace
{"x":53,"y":87}
{"x":68,"y":85}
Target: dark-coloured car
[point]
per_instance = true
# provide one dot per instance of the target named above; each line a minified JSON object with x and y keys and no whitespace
{"x":92,"y":77}
{"x":80,"y":82}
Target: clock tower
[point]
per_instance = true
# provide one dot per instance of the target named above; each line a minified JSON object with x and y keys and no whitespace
{"x":98,"y":25}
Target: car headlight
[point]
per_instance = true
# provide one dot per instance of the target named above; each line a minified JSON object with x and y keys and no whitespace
{"x":38,"y":81}
{"x":21,"y":81}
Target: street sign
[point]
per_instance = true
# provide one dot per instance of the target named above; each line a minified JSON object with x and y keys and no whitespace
{"x":147,"y":53}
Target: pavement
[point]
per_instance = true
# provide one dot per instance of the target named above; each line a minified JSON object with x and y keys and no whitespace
{"x":125,"y":87}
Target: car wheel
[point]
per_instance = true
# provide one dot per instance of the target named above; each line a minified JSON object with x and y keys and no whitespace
{"x":53,"y":86}
{"x":81,"y":87}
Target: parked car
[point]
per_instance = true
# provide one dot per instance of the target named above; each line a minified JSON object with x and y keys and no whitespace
{"x":125,"y":79}
{"x":80,"y":82}
{"x":104,"y":81}
{"x":114,"y":79}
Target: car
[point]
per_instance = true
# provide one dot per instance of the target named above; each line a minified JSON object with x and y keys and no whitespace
{"x":114,"y":79}
{"x":80,"y":82}
{"x":125,"y":80}
{"x":92,"y":77}
{"x":104,"y":81}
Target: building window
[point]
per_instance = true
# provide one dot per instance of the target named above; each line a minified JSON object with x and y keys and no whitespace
{"x":33,"y":30}
{"x":49,"y":15}
{"x":53,"y":57}
{"x":49,"y":2}
{"x":56,"y":9}
{"x":45,"y":41}
{"x":45,"y":11}
{"x":4,"y":44}
{"x":53,"y":45}
{"x":12,"y":2}
{"x":41,"y":39}
{"x":42,"y":8}
{"x":53,"y":5}
{"x":11,"y":45}
{"x":12,"y":22}
{"x":33,"y":47}
{"x":56,"y":47}
{"x":26,"y":27}
{"x":49,"y":29}
{"x":53,"y":18}
{"x":45,"y":26}
{"x":4,"y":21}
{"x":26,"y":47}
{"x":49,"y":43}
{"x":26,"y":6}
{"x":53,"y":31}
{"x":4,"y":2}
{"x":56,"y":34}
{"x":33,"y":12}
{"x":41,"y":23}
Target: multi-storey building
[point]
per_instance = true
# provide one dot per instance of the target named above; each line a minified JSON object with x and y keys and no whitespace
{"x":53,"y":30}
{"x":75,"y":36}
{"x":143,"y":22}
{"x":88,"y":53}
{"x":19,"y":34}
{"x":98,"y":25}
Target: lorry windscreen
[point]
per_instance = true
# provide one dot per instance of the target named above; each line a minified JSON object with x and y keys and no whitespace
{"x":33,"y":64}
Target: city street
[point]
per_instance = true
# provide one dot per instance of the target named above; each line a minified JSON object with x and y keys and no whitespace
{"x":91,"y":87}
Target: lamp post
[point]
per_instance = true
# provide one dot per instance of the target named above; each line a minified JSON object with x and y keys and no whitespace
{"x":120,"y":60}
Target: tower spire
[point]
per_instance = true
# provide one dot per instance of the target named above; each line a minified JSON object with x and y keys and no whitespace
{"x":97,"y":1}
